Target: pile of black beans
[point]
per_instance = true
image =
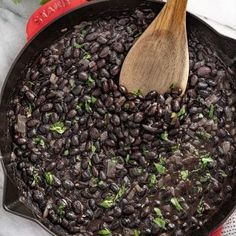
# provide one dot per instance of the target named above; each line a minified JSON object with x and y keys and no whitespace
{"x":99,"y":160}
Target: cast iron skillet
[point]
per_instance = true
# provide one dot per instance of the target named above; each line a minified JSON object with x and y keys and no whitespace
{"x":226,"y":48}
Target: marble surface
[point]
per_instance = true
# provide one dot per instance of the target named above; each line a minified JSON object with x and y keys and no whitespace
{"x":13,"y":18}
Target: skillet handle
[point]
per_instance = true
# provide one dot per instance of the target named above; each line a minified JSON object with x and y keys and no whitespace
{"x":217,"y":232}
{"x":47,"y":13}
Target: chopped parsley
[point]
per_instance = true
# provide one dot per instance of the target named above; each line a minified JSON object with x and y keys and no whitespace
{"x":206,"y":159}
{"x":126,"y":106}
{"x":211,"y":111}
{"x":120,"y":193}
{"x":130,"y":30}
{"x":77,"y":45}
{"x":159,"y":220}
{"x":87,"y":56}
{"x":204,"y":135}
{"x":48,"y":177}
{"x":160,"y":168}
{"x":29,"y":110}
{"x":39,"y":141}
{"x":107,"y":202}
{"x":184,"y":174}
{"x":72,"y":83}
{"x":164,"y":136}
{"x":137,"y":35}
{"x":172,"y":86}
{"x":66,"y":153}
{"x":136,"y":232}
{"x":176,"y":204}
{"x":152,"y":180}
{"x":205,"y":178}
{"x":200,"y":207}
{"x":87,"y":105}
{"x":93,"y":149}
{"x":90,"y":81}
{"x":58,"y":127}
{"x":61,"y":210}
{"x":83,"y":32}
{"x":104,"y":232}
{"x":36,"y":177}
{"x":127,"y":158}
{"x":175,"y":148}
{"x":181,"y":112}
{"x":138,"y":92}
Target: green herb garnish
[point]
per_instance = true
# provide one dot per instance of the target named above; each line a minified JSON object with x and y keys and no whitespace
{"x":157,"y":211}
{"x":184,"y":174}
{"x":137,"y":35}
{"x":175,"y":148}
{"x":172,"y":86}
{"x":211,"y":111}
{"x":48,"y":177}
{"x":204,"y":135}
{"x":29,"y":110}
{"x":66,"y":153}
{"x":129,"y":29}
{"x":206,"y":159}
{"x":90,"y":81}
{"x":77,"y":45}
{"x":93,"y":149}
{"x":58,"y":127}
{"x":104,"y":232}
{"x":164,"y":136}
{"x":205,"y":178}
{"x":61,"y":210}
{"x":176,"y":204}
{"x":39,"y":141}
{"x":36,"y":177}
{"x":159,"y":220}
{"x":136,"y":232}
{"x":200,"y":207}
{"x":72,"y":83}
{"x":160,"y":168}
{"x":126,"y":106}
{"x":107,"y":202}
{"x":138,"y":92}
{"x":152,"y":180}
{"x":182,"y":112}
{"x":127,"y":158}
{"x":83,"y":32}
{"x":120,"y":193}
{"x":87,"y":105}
{"x":87,"y":56}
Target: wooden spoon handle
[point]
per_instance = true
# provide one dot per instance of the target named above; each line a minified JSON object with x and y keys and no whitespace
{"x":172,"y":15}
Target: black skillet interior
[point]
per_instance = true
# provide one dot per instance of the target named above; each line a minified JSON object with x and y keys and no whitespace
{"x":225,"y":47}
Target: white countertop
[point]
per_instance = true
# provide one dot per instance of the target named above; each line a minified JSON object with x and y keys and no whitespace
{"x":13,"y":19}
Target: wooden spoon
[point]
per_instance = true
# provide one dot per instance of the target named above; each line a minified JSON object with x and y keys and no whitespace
{"x":159,"y":60}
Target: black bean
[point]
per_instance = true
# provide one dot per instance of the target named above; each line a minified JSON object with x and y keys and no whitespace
{"x":193,"y":80}
{"x":68,"y":184}
{"x":83,"y":76}
{"x":92,"y":36}
{"x":104,"y":52}
{"x":102,"y":40}
{"x":94,"y":133}
{"x":46,"y":107}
